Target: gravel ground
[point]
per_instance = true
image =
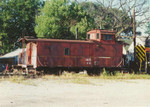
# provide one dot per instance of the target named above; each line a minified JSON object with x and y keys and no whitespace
{"x":53,"y":93}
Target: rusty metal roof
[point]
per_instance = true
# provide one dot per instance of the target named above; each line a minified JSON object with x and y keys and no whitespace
{"x":55,"y":40}
{"x":103,"y":31}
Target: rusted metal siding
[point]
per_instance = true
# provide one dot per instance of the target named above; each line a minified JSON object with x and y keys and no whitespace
{"x":28,"y":57}
{"x":34,"y":55}
{"x":108,"y":55}
{"x":51,"y":54}
{"x":31,"y":57}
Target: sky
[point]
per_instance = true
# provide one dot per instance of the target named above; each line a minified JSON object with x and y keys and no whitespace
{"x":143,"y":28}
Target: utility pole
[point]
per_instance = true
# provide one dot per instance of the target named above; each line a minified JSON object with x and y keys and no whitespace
{"x":76,"y":37}
{"x":23,"y":47}
{"x":23,"y":50}
{"x":134,"y":36}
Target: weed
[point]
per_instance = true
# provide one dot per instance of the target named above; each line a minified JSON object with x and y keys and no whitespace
{"x":121,"y":75}
{"x":19,"y":80}
{"x":80,"y":81}
{"x":76,"y":78}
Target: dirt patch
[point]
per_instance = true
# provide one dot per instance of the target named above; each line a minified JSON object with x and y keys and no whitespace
{"x":59,"y":93}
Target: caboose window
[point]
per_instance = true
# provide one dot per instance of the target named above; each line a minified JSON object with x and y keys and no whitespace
{"x":107,"y":37}
{"x":97,"y":35}
{"x":67,"y":51}
{"x":88,"y":36}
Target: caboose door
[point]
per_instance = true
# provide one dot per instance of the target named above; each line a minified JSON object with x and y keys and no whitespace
{"x":34,"y":55}
{"x":31,"y":54}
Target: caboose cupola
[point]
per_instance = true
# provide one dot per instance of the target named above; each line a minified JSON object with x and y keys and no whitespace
{"x":101,"y":35}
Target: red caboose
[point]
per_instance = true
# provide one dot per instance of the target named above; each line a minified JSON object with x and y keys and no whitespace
{"x":100,"y":50}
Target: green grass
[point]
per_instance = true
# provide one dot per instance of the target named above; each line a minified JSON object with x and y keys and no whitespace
{"x":120,"y":75}
{"x":85,"y":79}
{"x":126,"y":76}
{"x":76,"y":78}
{"x":18,"y":79}
{"x":70,"y":78}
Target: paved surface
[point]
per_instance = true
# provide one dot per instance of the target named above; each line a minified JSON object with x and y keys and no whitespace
{"x":51,"y":93}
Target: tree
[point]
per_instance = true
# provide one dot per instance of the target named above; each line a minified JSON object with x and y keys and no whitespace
{"x":126,"y":6}
{"x":107,"y":18}
{"x":117,"y":14}
{"x":60,"y":18}
{"x":148,"y":28}
{"x":17,"y":19}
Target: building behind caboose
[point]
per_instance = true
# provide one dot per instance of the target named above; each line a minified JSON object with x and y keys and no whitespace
{"x":11,"y":58}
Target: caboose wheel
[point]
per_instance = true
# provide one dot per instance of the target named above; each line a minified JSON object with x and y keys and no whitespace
{"x":89,"y":72}
{"x":148,"y":70}
{"x":59,"y":72}
{"x":96,"y":72}
{"x":93,"y":72}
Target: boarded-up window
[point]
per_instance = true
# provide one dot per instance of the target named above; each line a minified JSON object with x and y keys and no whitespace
{"x":88,"y":36}
{"x":107,"y":37}
{"x":67,"y":51}
{"x":97,"y":35}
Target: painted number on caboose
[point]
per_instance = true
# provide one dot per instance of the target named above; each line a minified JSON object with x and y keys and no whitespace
{"x":88,"y":61}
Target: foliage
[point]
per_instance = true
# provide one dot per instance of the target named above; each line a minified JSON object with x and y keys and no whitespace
{"x":148,"y":28}
{"x":108,"y":18}
{"x":141,"y":8}
{"x":60,"y":18}
{"x":19,"y":80}
{"x":77,"y":78}
{"x":17,"y":18}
